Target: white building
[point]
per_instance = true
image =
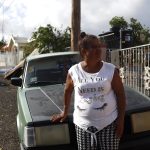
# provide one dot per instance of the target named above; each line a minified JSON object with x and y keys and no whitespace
{"x":12,"y":53}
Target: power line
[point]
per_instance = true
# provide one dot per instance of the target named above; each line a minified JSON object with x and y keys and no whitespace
{"x":3,"y":24}
{"x":3,"y":12}
{"x":2,"y":3}
{"x":8,"y":6}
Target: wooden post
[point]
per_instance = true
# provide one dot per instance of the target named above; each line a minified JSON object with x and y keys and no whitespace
{"x":75,"y":24}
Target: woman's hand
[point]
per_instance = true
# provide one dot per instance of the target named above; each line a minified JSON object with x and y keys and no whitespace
{"x":67,"y":98}
{"x":58,"y":117}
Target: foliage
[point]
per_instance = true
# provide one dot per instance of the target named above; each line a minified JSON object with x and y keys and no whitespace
{"x":2,"y":43}
{"x":50,"y":38}
{"x":138,"y":30}
{"x":119,"y":22}
{"x":146,"y":33}
{"x":29,"y":48}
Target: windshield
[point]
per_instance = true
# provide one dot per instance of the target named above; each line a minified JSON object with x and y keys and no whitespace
{"x":49,"y":70}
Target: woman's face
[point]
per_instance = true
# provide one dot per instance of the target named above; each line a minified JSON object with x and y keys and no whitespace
{"x":93,"y":53}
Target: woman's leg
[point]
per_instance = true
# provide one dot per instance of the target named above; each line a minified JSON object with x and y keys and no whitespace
{"x":84,"y":139}
{"x":108,"y":139}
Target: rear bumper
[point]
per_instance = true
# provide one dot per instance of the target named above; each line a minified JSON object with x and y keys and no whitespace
{"x":138,"y":144}
{"x":62,"y":147}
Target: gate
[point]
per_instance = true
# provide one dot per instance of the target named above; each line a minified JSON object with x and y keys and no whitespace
{"x":134,"y":65}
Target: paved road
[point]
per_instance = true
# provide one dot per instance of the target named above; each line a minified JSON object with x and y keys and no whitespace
{"x":8,"y":111}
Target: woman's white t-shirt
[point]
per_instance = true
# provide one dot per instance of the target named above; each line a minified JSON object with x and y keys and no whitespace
{"x":95,"y":102}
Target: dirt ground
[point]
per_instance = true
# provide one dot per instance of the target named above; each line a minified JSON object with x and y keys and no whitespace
{"x":8,"y":111}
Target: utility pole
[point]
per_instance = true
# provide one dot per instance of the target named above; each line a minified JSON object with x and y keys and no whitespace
{"x":3,"y":26}
{"x":75,"y":24}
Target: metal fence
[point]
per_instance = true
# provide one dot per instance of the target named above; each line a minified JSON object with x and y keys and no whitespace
{"x":134,"y":64}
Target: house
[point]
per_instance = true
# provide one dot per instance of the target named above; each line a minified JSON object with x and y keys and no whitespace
{"x":16,"y":45}
{"x":117,"y":38}
{"x":13,"y":52}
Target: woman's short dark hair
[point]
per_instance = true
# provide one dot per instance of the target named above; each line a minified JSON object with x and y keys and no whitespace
{"x":86,"y":41}
{"x":82,"y":35}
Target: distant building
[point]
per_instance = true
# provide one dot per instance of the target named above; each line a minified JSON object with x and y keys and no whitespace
{"x":110,"y":39}
{"x":16,"y":45}
{"x":13,"y":52}
{"x":117,"y":39}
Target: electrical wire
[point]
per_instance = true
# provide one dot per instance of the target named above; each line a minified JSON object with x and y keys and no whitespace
{"x":2,"y":3}
{"x":7,"y":8}
{"x":3,"y":12}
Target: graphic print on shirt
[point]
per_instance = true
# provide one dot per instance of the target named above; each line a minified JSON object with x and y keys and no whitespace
{"x":92,"y":93}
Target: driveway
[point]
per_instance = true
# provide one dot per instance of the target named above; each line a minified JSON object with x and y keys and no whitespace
{"x":8,"y":111}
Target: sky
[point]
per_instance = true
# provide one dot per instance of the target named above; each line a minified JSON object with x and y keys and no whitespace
{"x":23,"y":17}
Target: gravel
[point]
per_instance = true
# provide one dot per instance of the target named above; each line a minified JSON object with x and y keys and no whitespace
{"x":8,"y":112}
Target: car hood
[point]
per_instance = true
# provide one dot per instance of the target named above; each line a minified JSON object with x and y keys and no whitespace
{"x":45,"y":101}
{"x":136,"y":101}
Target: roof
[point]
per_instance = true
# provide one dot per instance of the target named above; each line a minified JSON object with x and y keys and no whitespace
{"x":29,"y":58}
{"x":14,"y":72}
{"x":20,"y":39}
{"x":4,"y":48}
{"x":106,"y":34}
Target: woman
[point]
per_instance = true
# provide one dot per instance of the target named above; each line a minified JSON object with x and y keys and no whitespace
{"x":99,"y":106}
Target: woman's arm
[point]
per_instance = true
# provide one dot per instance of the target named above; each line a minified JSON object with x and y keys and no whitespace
{"x":118,"y":88}
{"x":67,"y":98}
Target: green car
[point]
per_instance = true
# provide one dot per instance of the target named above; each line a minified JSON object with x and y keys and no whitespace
{"x":40,"y":95}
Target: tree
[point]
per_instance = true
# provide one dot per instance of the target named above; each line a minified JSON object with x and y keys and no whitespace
{"x":145,"y":35}
{"x":119,"y":22}
{"x":29,"y":48}
{"x":2,"y":43}
{"x":140,"y":34}
{"x":50,"y":38}
{"x":136,"y":28}
{"x":44,"y":38}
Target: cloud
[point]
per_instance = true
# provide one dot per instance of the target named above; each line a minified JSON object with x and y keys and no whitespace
{"x":24,"y":16}
{"x":96,"y":15}
{"x":143,"y":13}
